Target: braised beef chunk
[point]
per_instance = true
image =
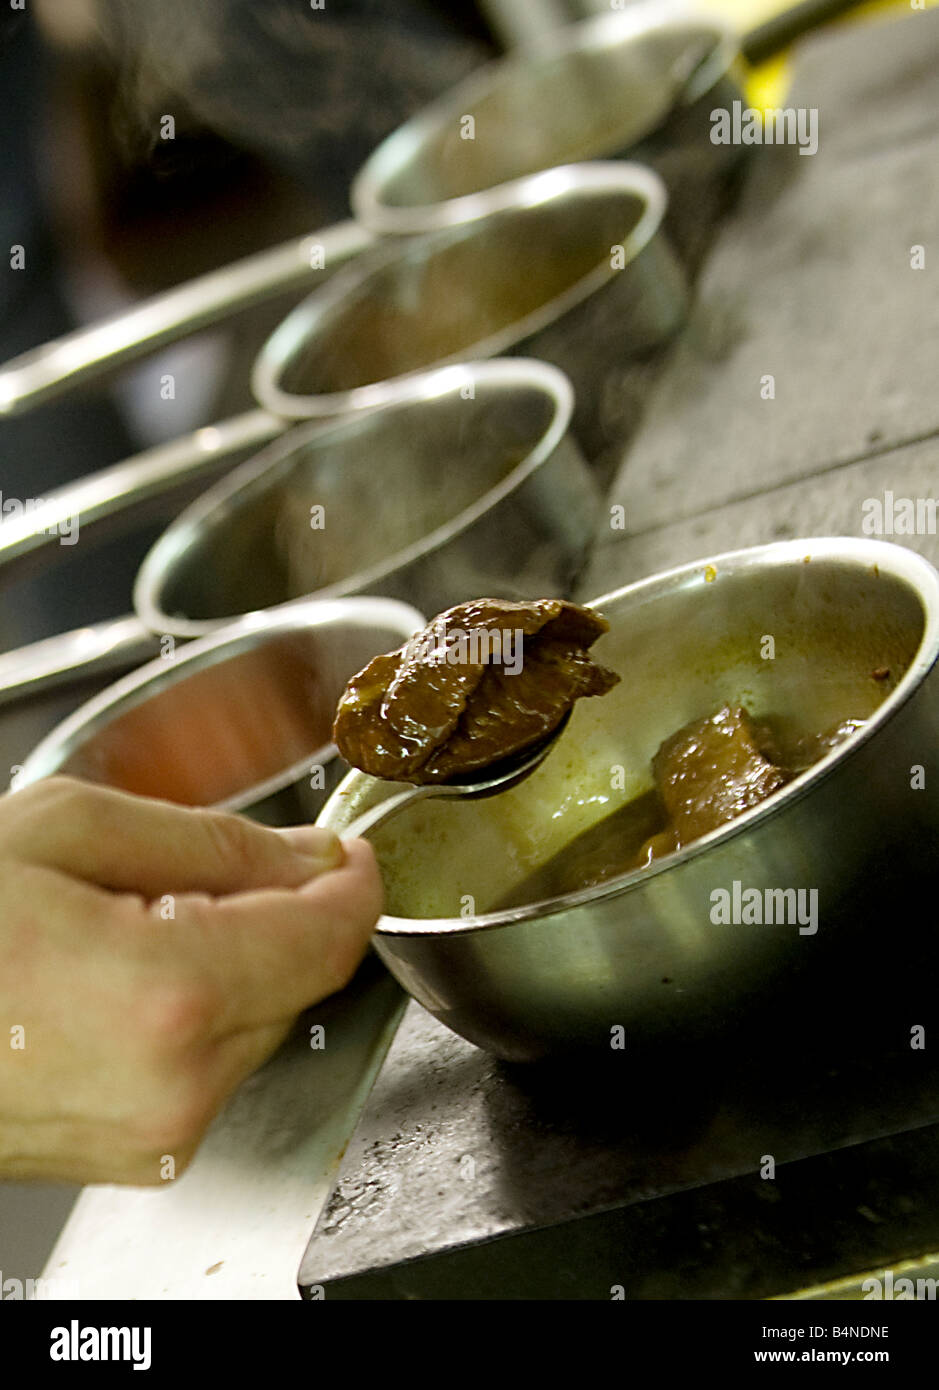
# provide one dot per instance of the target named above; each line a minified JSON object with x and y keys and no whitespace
{"x":713,"y":770}
{"x":706,"y":774}
{"x":483,"y":681}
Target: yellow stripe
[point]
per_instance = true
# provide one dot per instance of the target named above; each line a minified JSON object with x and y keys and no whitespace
{"x":767,"y":85}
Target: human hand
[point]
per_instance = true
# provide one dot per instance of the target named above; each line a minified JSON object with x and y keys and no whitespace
{"x":151,"y":957}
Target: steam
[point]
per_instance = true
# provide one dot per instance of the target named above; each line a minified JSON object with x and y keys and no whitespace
{"x":278,"y":76}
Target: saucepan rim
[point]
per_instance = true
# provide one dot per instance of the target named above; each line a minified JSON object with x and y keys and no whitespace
{"x":251,"y":631}
{"x":176,"y":540}
{"x":563,"y":182}
{"x":599,"y":32}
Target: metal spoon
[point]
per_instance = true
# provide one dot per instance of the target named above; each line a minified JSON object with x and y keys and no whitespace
{"x":489,"y":781}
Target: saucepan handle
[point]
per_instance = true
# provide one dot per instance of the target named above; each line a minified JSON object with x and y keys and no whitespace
{"x":64,"y":514}
{"x":55,"y":368}
{"x":97,"y":650}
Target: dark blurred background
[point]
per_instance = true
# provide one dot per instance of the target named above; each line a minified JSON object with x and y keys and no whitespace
{"x":275,"y":105}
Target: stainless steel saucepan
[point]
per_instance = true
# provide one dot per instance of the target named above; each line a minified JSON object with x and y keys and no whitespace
{"x":856,"y":636}
{"x":568,"y":265}
{"x":240,"y":720}
{"x":639,"y":83}
{"x":466,"y":482}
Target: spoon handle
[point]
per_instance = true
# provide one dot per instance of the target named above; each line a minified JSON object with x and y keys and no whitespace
{"x":51,"y":370}
{"x":400,"y":795}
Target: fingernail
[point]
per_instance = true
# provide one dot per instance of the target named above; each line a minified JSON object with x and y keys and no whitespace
{"x":315,"y":842}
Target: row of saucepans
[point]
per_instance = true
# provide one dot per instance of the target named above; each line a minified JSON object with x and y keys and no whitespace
{"x":429,"y":416}
{"x":549,"y":234}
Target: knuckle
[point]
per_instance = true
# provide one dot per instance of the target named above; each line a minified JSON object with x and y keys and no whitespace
{"x":176,"y":1015}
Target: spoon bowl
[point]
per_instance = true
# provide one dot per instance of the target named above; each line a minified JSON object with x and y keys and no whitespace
{"x":487,"y":781}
